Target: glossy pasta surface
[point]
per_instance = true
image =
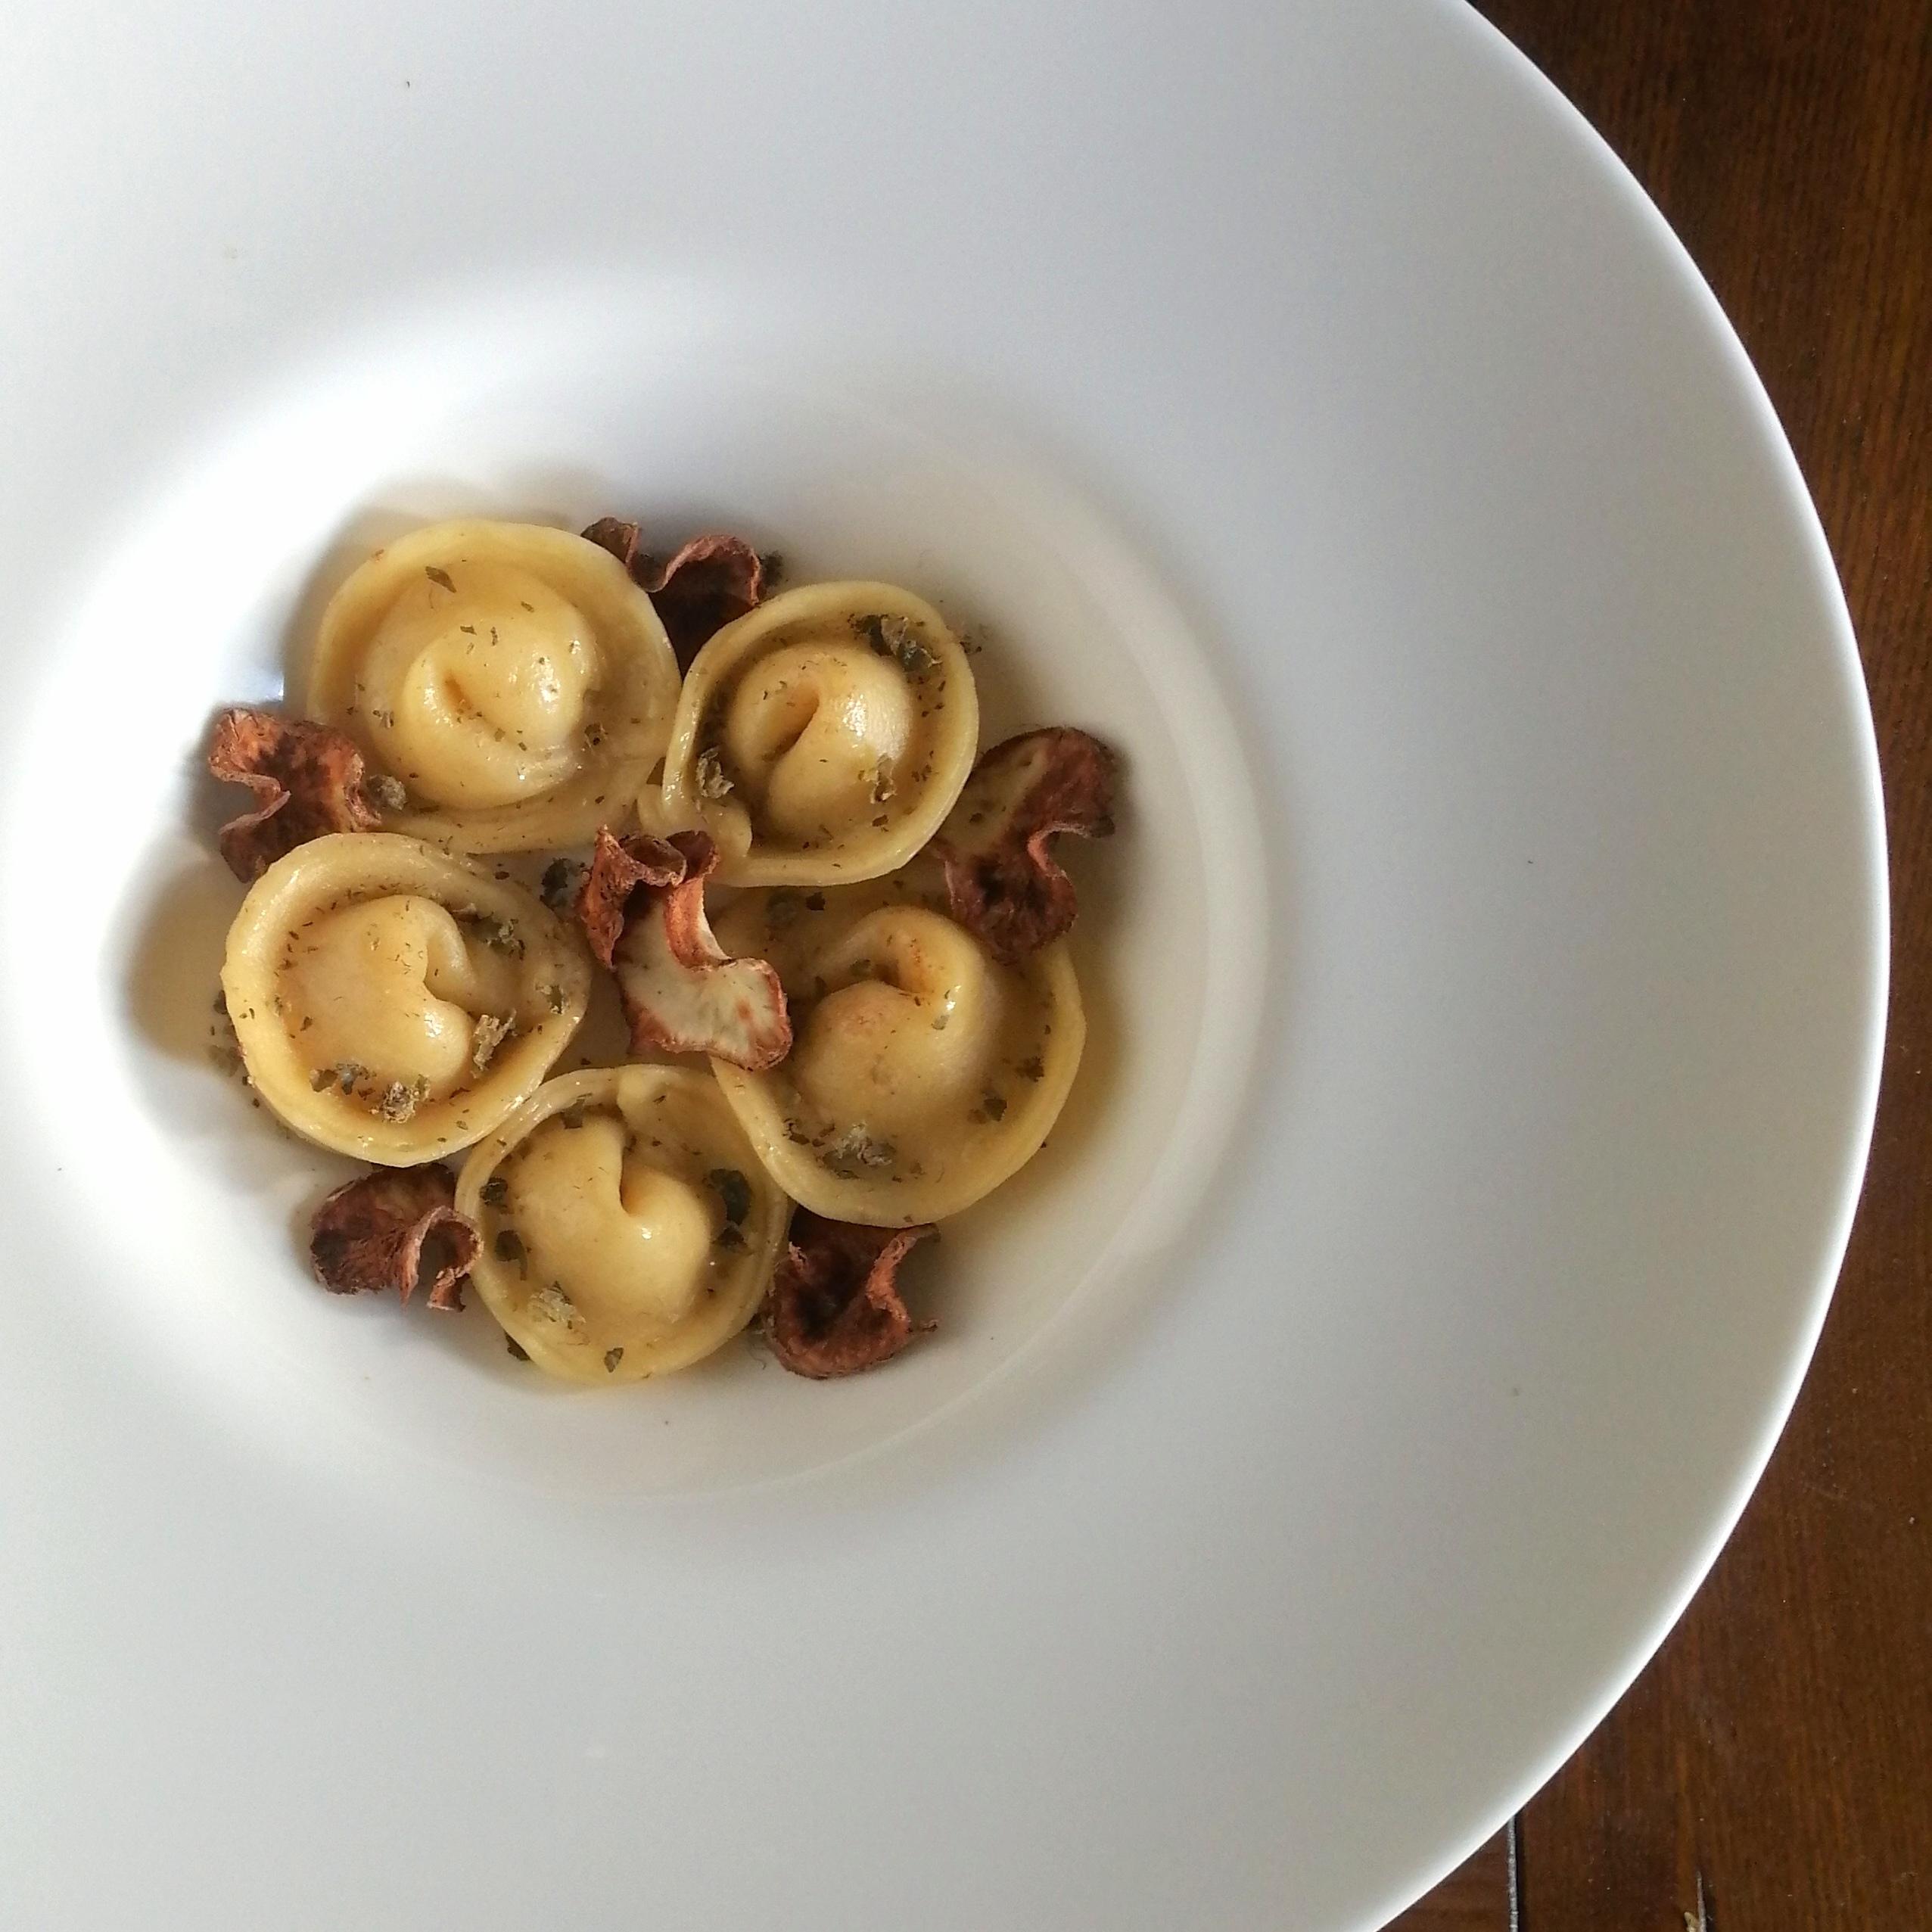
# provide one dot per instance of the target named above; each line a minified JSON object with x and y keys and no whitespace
{"x":393,"y":1001}
{"x":511,"y":677}
{"x":627,"y":1229}
{"x":923,"y":1072}
{"x":822,"y":737}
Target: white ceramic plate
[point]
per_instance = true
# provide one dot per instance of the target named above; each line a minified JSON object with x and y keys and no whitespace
{"x":1490,"y":1001}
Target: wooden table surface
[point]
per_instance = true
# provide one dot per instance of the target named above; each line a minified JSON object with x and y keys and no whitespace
{"x":1771,"y":1770}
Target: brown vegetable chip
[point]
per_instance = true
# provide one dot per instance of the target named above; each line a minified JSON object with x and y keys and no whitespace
{"x":834,"y":1306}
{"x":615,"y":535}
{"x":1001,"y":878}
{"x":396,"y":1228}
{"x":308,"y":779}
{"x":683,"y":993}
{"x":619,"y":868}
{"x":712,"y":579}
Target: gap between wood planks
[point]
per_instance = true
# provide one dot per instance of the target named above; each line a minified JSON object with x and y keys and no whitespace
{"x":1489,"y":1893}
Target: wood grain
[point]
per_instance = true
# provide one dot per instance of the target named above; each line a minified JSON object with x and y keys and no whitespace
{"x":1772,"y":1772}
{"x":1475,"y":1899}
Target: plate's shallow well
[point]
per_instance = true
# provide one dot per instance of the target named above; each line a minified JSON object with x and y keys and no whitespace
{"x":854,"y":475}
{"x":1485,"y":1049}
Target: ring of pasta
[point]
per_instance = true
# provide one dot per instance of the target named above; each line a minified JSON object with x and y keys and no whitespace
{"x":394,"y":1002}
{"x":628,"y":1230}
{"x":511,"y":676}
{"x":922,"y":1073}
{"x":822,"y":737}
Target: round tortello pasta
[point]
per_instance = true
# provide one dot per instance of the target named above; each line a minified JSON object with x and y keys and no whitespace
{"x":627,"y":1228}
{"x":511,"y":677}
{"x":922,"y":1073}
{"x":822,"y":737}
{"x":394,"y":1002}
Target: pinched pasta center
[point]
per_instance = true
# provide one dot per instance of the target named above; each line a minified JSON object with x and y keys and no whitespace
{"x":476,"y":681}
{"x":814,"y":733}
{"x":908,"y":1027}
{"x":621,"y":1238}
{"x":394,"y":986}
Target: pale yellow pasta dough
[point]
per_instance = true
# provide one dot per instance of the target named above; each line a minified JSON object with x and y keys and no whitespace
{"x":922,"y":1073}
{"x":822,"y":737}
{"x":511,"y":677}
{"x":627,"y":1228}
{"x":395,"y":1002}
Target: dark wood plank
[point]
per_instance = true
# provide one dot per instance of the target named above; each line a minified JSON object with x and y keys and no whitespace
{"x":1475,"y":1899}
{"x":1778,"y":1755}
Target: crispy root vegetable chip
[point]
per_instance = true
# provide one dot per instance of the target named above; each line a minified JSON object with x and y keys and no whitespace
{"x":834,"y":1306}
{"x":642,"y":909}
{"x":618,"y":868}
{"x":307,"y":779}
{"x":1003,"y":883}
{"x":396,"y":1228}
{"x":712,"y":579}
{"x":619,"y":538}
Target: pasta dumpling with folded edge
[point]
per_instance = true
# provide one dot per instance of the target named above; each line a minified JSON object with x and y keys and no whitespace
{"x":627,"y":1229}
{"x":512,"y":678}
{"x":923,"y":1072}
{"x":822,"y":737}
{"x":394,"y":1002}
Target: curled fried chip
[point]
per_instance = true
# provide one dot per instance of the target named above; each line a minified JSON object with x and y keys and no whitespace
{"x":617,"y":536}
{"x":1003,"y":883}
{"x":308,"y":779}
{"x":683,"y":993}
{"x":396,"y":1228}
{"x":713,"y":579}
{"x":620,"y":867}
{"x":834,"y":1307}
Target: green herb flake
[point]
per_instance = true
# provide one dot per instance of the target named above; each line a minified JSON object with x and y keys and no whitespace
{"x":496,"y":1190}
{"x":487,"y":929}
{"x":714,"y":782}
{"x":400,"y":1099}
{"x":558,"y":886}
{"x":553,"y":1304}
{"x":897,"y":638}
{"x":611,"y":1358}
{"x":489,"y":1035}
{"x":734,"y":1190}
{"x":855,"y":1152}
{"x":441,"y":576}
